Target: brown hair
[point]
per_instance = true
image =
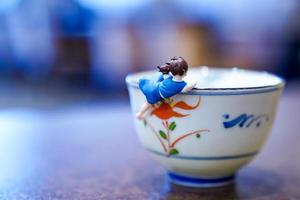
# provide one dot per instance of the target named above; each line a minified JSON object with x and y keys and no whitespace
{"x":177,"y":66}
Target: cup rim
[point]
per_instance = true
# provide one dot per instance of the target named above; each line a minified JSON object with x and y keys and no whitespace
{"x":225,"y":90}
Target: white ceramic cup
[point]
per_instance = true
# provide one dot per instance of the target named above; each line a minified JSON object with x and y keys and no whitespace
{"x":204,"y":136}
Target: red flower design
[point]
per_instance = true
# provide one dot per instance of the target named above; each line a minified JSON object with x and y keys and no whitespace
{"x":166,"y":110}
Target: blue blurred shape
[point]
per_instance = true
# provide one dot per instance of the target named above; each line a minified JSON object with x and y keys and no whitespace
{"x":112,"y":5}
{"x":7,"y":5}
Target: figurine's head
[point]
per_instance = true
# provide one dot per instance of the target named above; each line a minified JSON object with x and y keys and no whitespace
{"x":178,"y":66}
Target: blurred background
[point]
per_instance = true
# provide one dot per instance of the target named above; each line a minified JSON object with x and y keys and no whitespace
{"x":62,"y":80}
{"x":62,"y":51}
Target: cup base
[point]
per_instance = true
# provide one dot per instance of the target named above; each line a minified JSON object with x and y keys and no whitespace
{"x":200,"y":182}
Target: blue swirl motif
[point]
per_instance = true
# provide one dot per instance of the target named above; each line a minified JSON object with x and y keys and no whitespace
{"x":244,"y":120}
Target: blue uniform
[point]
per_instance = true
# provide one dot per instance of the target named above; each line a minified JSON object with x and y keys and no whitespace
{"x":156,"y":91}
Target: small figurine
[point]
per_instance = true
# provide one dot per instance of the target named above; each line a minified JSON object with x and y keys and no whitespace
{"x":169,"y":83}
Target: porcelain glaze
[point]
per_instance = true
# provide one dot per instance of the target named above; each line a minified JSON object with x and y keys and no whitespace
{"x":204,"y":136}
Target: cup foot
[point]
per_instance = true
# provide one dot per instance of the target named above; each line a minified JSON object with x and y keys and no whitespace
{"x":200,"y":182}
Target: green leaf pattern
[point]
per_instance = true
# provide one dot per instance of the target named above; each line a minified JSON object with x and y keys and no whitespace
{"x":162,"y":134}
{"x":174,"y":152}
{"x":172,"y":126}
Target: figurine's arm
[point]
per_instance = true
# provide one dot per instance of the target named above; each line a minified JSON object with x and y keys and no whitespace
{"x":189,"y":85}
{"x":160,"y":78}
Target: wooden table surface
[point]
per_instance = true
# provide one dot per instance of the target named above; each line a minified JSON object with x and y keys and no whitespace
{"x":91,"y":151}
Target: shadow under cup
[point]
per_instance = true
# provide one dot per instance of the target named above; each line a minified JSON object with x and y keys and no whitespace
{"x":204,"y":136}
